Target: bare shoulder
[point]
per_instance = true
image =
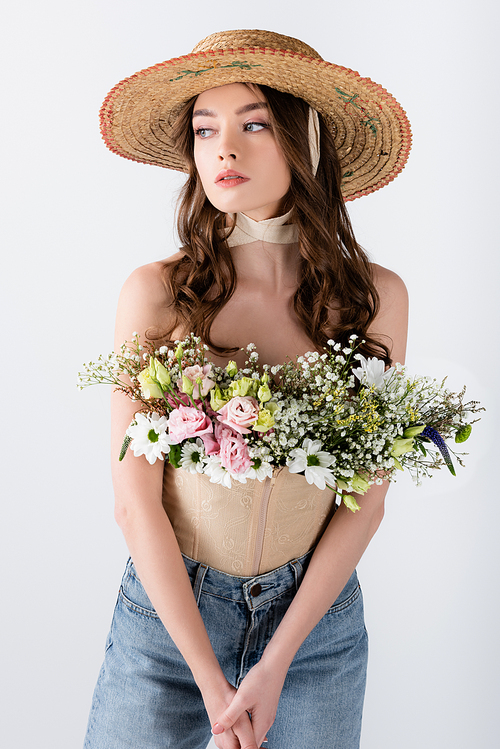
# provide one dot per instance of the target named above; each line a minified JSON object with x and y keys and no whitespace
{"x":144,"y":301}
{"x":390,"y":286}
{"x":148,"y":281}
{"x":391,"y":323}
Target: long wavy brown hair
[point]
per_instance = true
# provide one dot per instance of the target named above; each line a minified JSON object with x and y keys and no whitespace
{"x":335,"y":278}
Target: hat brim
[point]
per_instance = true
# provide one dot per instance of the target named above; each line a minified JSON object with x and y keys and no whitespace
{"x":371,"y":131}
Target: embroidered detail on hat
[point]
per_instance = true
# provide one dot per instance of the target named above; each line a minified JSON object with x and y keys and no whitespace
{"x":240,"y":64}
{"x":365,"y":118}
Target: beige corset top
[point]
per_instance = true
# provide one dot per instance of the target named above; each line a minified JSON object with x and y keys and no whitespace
{"x":251,"y":528}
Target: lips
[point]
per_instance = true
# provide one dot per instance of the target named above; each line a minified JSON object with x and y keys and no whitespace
{"x":230,"y":178}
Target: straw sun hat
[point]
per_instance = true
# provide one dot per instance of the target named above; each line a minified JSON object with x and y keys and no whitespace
{"x":371,"y":130}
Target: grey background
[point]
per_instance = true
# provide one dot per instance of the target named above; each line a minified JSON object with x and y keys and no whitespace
{"x":77,"y":220}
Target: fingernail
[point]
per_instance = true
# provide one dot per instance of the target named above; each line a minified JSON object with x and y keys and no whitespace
{"x":217,"y":729}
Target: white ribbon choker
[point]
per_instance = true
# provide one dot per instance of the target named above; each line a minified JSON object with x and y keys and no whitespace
{"x":270,"y":230}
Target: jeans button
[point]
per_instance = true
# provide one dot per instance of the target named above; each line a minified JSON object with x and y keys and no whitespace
{"x":256,"y":590}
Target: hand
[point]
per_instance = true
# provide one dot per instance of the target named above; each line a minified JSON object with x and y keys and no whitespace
{"x":240,"y":735}
{"x":258,"y":695}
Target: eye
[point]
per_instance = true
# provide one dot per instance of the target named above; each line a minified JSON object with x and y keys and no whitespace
{"x":202,"y":132}
{"x":254,"y":127}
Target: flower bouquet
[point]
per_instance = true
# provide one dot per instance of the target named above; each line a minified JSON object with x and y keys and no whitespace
{"x":340,"y":419}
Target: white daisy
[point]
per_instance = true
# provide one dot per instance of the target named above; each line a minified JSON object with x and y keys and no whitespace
{"x":310,"y":460}
{"x":260,"y":470}
{"x":192,"y":454}
{"x":217,"y":473}
{"x":149,"y":436}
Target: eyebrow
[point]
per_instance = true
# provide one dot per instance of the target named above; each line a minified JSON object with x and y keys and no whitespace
{"x":241,"y":110}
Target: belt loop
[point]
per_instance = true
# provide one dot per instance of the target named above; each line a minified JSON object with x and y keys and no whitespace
{"x":200,"y":576}
{"x":297,"y":571}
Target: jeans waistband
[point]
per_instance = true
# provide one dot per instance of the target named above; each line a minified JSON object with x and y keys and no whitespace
{"x":255,"y":591}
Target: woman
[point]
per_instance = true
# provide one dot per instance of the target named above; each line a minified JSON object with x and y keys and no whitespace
{"x":271,"y":648}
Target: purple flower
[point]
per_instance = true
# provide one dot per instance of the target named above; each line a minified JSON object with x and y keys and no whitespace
{"x":434,"y":436}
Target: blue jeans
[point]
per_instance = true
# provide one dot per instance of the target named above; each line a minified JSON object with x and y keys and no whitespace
{"x":146,"y":697}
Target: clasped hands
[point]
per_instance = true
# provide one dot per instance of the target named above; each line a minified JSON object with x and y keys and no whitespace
{"x":250,"y":711}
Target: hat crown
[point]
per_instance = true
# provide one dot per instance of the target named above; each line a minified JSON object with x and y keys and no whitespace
{"x":248,"y":38}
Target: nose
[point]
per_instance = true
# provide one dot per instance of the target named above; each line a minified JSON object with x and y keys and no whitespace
{"x":228,"y":156}
{"x":227,"y":147}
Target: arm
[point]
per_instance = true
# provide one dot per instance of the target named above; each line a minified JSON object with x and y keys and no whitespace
{"x":337,"y":554}
{"x":145,"y":525}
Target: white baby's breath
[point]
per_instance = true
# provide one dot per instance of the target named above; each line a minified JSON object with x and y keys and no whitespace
{"x":328,"y":419}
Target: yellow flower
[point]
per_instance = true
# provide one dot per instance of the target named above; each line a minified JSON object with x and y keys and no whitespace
{"x":217,"y":399}
{"x":401,"y":446}
{"x":413,"y":431}
{"x":265,"y":421}
{"x":149,"y":388}
{"x":359,"y":484}
{"x":242,"y":387}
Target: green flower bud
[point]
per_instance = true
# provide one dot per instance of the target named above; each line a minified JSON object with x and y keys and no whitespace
{"x":350,"y":503}
{"x":231,"y":368}
{"x":187,"y":385}
{"x":263,"y":393}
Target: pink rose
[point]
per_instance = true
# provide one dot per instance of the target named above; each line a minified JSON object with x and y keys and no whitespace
{"x":185,"y":422}
{"x":198,"y":373}
{"x":239,"y":413}
{"x":233,"y":450}
{"x":212,"y":447}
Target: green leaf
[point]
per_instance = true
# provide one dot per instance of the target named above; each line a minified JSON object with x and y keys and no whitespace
{"x":420,"y":446}
{"x":174,"y":455}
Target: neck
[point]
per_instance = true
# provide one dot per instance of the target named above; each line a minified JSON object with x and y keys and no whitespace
{"x":265,"y":251}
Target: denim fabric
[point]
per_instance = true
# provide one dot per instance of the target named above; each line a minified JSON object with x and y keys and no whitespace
{"x":146,"y":696}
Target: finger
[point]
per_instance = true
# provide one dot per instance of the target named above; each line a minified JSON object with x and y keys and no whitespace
{"x":228,"y":740}
{"x":231,"y":714}
{"x":244,"y":732}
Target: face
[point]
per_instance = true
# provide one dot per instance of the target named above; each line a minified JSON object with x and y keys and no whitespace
{"x":239,"y":162}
